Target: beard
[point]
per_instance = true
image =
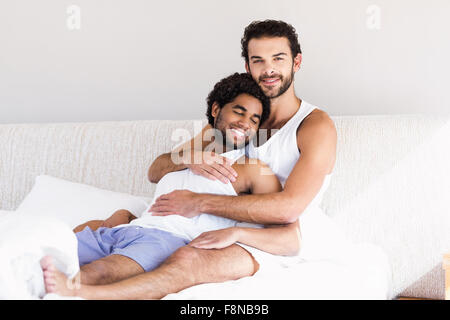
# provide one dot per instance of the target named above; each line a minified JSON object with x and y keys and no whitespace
{"x":285,"y":84}
{"x":220,"y":134}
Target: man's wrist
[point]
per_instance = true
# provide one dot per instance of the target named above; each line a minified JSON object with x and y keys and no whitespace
{"x":205,"y":203}
{"x":201,"y":202}
{"x":238,"y":234}
{"x":213,"y":204}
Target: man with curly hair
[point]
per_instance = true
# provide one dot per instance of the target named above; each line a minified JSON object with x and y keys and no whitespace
{"x":125,"y":245}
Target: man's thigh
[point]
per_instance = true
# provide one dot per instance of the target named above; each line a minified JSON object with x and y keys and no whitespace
{"x":216,"y":265}
{"x":109,"y":269}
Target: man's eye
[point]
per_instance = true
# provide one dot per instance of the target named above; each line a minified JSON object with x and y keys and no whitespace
{"x":278,"y":58}
{"x":254,"y":121}
{"x":241,"y":114}
{"x":256,"y":61}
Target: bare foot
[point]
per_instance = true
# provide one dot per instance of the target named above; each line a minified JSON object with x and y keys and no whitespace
{"x":56,"y":281}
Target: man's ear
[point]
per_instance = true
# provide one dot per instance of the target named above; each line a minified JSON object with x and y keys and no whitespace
{"x":247,"y":68}
{"x":297,"y":62}
{"x":215,"y":109}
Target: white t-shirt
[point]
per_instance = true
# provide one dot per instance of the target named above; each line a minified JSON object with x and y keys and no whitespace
{"x":190,"y":228}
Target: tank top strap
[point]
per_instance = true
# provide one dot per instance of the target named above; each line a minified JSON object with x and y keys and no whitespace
{"x":280,"y":151}
{"x":304,"y":110}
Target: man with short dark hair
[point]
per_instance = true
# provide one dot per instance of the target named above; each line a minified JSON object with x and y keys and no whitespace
{"x":298,"y":142}
{"x":301,"y":153}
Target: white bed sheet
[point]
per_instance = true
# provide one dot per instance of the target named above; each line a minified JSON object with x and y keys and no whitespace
{"x":360,"y":271}
{"x":23,"y":243}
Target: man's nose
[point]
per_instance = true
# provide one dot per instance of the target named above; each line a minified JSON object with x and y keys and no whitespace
{"x":268,"y":69}
{"x":244,"y":124}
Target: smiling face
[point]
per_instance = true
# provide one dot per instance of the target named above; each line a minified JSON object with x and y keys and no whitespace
{"x":238,"y":120}
{"x":271,"y":64}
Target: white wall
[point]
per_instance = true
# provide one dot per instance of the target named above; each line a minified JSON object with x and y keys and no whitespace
{"x":137,"y":59}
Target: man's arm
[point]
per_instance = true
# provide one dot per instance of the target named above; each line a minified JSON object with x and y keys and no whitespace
{"x":190,"y":155}
{"x":316,"y":139}
{"x":274,"y":239}
{"x":119,"y":217}
{"x":280,"y":240}
{"x":162,"y":165}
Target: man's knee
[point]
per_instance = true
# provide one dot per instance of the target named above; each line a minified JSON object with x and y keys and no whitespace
{"x":251,"y":266}
{"x":185,"y":256}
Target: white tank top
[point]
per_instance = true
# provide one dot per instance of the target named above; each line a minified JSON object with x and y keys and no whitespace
{"x":190,"y":228}
{"x":280,"y":152}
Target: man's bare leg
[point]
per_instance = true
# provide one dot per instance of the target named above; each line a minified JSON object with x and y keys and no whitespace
{"x":107,"y":270}
{"x":188,"y":266}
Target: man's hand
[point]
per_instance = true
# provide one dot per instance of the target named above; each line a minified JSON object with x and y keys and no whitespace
{"x":181,"y":202}
{"x":216,"y":239}
{"x":211,"y":166}
{"x":119,"y":217}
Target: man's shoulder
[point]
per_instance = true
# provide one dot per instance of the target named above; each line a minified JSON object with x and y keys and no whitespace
{"x":249,"y":165}
{"x":247,"y":162}
{"x":255,"y":173}
{"x":318,"y":122}
{"x":317,"y":118}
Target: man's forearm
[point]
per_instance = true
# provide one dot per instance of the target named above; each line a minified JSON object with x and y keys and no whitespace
{"x":161,"y":166}
{"x":125,"y":213}
{"x":273,"y":208}
{"x":281,"y":240}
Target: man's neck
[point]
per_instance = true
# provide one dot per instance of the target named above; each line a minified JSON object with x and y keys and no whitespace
{"x":221,"y":148}
{"x":282,"y":108}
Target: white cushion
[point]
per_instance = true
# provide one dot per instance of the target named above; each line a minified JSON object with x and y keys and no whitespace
{"x":75,"y":203}
{"x":4,"y":214}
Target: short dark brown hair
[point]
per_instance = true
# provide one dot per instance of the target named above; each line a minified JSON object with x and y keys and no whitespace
{"x":270,"y":28}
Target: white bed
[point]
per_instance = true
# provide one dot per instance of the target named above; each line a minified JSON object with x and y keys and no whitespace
{"x":359,"y":272}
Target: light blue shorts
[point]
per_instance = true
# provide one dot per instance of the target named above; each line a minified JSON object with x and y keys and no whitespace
{"x":148,"y":247}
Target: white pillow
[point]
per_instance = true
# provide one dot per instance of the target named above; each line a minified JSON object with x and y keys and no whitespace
{"x":4,"y":214}
{"x":76,"y":203}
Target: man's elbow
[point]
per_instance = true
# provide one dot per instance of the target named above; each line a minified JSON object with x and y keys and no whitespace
{"x":289,"y":208}
{"x":289,"y":217}
{"x":153,"y":174}
{"x":283,"y":218}
{"x":296,"y":240}
{"x":293,"y":246}
{"x":294,"y":250}
{"x":291,"y":213}
{"x":152,"y":177}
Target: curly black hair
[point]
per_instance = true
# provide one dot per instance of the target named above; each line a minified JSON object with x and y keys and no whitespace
{"x":227,"y":89}
{"x":270,"y":28}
